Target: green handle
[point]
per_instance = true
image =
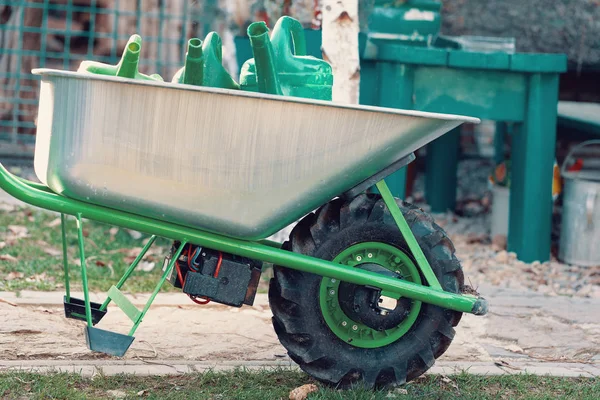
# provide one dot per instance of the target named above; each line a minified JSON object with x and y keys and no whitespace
{"x":285,"y":28}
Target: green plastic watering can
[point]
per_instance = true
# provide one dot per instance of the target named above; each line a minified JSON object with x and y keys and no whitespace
{"x":127,"y":66}
{"x":283,"y":69}
{"x":204,"y":64}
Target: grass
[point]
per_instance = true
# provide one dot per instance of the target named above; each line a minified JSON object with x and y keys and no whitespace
{"x":31,"y":253}
{"x":276,"y":384}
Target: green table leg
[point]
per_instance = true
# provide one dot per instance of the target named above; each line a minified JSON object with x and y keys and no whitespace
{"x":532,"y":159}
{"x":396,"y":91}
{"x":499,"y":137}
{"x":440,"y":177}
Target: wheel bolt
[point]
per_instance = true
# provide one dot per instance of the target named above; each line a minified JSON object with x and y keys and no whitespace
{"x":333,"y":280}
{"x":344,"y":323}
{"x":397,"y":259}
{"x":354,"y":327}
{"x":358,"y":258}
{"x":370,"y":255}
{"x":332,"y":292}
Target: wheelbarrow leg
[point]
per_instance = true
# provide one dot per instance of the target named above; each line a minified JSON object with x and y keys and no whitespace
{"x":65,"y":259}
{"x":167,"y":272}
{"x":115,"y":343}
{"x":84,"y":280}
{"x":81,"y":309}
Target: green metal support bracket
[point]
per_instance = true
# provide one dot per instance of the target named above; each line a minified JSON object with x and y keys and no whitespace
{"x":124,"y":304}
{"x":414,"y":247}
{"x":129,"y":271}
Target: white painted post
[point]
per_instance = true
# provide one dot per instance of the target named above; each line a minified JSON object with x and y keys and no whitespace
{"x":340,"y":29}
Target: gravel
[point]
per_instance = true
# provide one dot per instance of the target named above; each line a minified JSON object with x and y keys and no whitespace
{"x":485,"y":259}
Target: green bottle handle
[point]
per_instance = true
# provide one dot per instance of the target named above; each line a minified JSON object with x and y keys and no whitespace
{"x":285,"y":28}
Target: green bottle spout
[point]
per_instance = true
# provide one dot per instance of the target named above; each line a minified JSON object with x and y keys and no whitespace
{"x":128,"y":67}
{"x":264,"y":59}
{"x":204,"y":64}
{"x":192,"y":72}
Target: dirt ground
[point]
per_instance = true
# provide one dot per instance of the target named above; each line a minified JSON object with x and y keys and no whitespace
{"x":174,"y":332}
{"x":520,"y":325}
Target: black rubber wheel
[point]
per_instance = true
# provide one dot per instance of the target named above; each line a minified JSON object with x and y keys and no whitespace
{"x":294,"y":296}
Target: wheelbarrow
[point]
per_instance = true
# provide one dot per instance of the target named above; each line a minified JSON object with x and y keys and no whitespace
{"x":366,"y":289}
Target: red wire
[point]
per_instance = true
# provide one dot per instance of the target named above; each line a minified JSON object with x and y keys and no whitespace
{"x":218,"y":265}
{"x":195,"y":300}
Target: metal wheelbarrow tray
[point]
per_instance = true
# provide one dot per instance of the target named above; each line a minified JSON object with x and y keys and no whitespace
{"x":235,"y":163}
{"x":365,"y":283}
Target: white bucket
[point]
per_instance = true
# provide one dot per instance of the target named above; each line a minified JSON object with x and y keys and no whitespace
{"x":500,"y":208}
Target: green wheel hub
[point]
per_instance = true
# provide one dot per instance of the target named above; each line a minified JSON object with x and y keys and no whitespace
{"x":356,"y":333}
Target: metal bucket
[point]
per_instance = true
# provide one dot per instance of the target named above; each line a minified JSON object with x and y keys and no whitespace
{"x":580,"y":229}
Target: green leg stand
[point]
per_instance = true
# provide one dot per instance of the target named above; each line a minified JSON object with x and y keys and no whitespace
{"x":84,"y":280}
{"x":440,"y":178}
{"x":533,"y":150}
{"x":396,"y":91}
{"x":65,"y":257}
{"x":81,"y":309}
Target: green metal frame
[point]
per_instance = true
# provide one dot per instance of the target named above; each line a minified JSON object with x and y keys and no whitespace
{"x":267,"y":251}
{"x":40,"y":196}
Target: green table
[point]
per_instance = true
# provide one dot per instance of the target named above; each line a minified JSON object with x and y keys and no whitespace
{"x":520,"y":88}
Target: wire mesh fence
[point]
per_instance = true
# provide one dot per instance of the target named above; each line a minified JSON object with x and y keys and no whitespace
{"x":62,"y":33}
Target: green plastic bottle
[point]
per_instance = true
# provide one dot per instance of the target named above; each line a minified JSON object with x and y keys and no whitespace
{"x":204,"y":64}
{"x":215,"y":74}
{"x":127,"y":66}
{"x":279,"y":68}
{"x":192,"y":73}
